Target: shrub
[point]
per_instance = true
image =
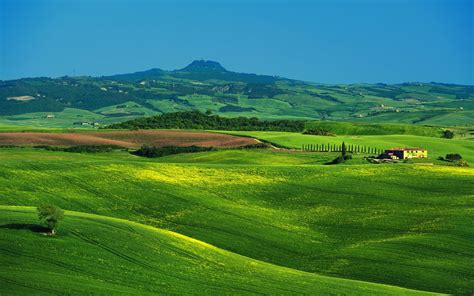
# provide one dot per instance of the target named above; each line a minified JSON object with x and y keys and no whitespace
{"x":448,"y":134}
{"x":256,"y":146}
{"x":337,"y":160}
{"x":340,"y":159}
{"x":453,"y":157}
{"x":49,"y":148}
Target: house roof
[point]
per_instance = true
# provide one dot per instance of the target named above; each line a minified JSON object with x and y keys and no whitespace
{"x":406,"y":149}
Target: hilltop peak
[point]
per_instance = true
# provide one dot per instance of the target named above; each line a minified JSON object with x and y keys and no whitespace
{"x":204,"y":66}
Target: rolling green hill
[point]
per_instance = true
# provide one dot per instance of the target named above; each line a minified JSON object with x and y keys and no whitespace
{"x":101,"y":255}
{"x":207,"y":85}
{"x":402,"y":225}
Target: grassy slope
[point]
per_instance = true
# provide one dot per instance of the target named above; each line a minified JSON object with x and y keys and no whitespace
{"x":436,"y":146}
{"x":100,"y":255}
{"x":402,"y":225}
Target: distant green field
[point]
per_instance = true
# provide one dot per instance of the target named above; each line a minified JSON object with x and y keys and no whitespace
{"x":63,"y":119}
{"x":403,"y":225}
{"x":436,"y":146}
{"x":101,"y":255}
{"x":432,"y":117}
{"x":352,"y":128}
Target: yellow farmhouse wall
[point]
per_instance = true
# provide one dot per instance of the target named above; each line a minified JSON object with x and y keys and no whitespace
{"x":415,"y":154}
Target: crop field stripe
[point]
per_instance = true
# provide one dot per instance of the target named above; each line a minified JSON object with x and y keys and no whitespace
{"x":126,"y":139}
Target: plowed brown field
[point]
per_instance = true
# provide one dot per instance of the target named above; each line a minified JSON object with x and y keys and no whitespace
{"x":129,"y":139}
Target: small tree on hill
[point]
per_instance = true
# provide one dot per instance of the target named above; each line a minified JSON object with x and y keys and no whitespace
{"x":51,"y":215}
{"x":343,"y":149}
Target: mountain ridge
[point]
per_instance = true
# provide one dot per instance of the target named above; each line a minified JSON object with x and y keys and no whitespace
{"x":207,"y":85}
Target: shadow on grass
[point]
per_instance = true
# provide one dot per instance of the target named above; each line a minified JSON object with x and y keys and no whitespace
{"x":30,"y":227}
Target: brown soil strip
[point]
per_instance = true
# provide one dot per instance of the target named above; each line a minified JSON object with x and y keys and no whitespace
{"x":129,"y":139}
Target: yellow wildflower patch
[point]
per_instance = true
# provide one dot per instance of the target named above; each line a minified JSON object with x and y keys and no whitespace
{"x":366,"y":170}
{"x":447,"y":170}
{"x":195,"y":176}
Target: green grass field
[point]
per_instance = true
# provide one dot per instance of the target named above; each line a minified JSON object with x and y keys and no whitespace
{"x":104,"y":255}
{"x":403,"y":225}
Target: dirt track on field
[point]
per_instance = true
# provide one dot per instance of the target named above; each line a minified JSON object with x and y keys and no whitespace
{"x":129,"y":139}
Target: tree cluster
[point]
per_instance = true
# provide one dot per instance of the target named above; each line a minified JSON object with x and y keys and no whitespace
{"x":198,"y":120}
{"x":318,"y":132}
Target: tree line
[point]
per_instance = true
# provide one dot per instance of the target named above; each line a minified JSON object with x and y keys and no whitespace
{"x":339,"y":148}
{"x":82,"y":148}
{"x":152,"y":151}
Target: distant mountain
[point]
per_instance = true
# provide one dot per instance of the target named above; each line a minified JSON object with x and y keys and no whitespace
{"x":204,"y":66}
{"x":207,"y":85}
{"x":200,"y":70}
{"x":154,"y":73}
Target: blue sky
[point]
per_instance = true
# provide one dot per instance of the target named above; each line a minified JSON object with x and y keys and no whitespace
{"x":321,"y":41}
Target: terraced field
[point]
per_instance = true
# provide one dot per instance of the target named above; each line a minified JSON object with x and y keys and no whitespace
{"x":402,"y":225}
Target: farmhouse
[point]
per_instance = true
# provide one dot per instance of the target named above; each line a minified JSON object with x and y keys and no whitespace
{"x":404,"y":153}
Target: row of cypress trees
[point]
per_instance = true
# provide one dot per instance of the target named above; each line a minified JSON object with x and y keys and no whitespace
{"x":339,"y":148}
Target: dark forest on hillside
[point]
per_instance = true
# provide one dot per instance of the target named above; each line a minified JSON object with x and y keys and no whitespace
{"x":198,"y":120}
